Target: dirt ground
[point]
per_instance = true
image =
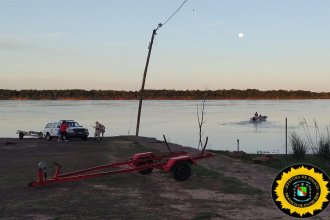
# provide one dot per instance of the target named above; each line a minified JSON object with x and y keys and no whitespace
{"x":220,"y":187}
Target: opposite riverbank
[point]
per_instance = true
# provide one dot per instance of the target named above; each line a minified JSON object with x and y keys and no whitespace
{"x":162,"y":94}
{"x":220,"y":187}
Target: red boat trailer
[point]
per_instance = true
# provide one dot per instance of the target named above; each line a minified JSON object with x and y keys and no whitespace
{"x":179,"y":162}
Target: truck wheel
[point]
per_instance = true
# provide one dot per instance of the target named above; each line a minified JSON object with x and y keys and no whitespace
{"x":48,"y":137}
{"x":181,"y":170}
{"x":21,"y":135}
{"x":84,"y":138}
{"x":146,"y":171}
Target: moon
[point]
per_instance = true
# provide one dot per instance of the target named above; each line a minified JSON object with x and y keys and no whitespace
{"x":240,"y":35}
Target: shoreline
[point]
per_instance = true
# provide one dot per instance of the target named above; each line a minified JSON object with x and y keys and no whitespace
{"x":156,"y":99}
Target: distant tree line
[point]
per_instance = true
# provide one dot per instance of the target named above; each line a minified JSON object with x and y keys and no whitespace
{"x":79,"y":94}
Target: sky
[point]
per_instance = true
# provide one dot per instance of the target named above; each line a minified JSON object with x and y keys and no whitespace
{"x":208,"y":44}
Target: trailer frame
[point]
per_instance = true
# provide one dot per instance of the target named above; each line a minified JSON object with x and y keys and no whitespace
{"x":179,"y":162}
{"x":22,"y":134}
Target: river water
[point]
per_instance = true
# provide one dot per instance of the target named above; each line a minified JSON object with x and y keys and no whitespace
{"x":226,"y":120}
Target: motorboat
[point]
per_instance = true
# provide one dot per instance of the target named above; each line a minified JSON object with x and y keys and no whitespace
{"x":258,"y":118}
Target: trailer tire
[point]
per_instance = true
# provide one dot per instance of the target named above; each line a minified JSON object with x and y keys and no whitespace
{"x":181,"y":170}
{"x":21,"y":135}
{"x":146,"y":171}
{"x":48,"y":137}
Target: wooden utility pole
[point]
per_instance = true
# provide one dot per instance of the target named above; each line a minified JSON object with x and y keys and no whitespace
{"x":286,"y":136}
{"x":146,"y":69}
{"x":237,"y":145}
{"x":143,"y":83}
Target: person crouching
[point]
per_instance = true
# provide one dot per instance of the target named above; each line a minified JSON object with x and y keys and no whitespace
{"x":99,"y":130}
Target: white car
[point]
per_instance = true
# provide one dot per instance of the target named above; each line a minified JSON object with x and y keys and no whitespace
{"x":74,"y":130}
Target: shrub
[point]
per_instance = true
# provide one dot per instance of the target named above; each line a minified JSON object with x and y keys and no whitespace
{"x":323,"y":148}
{"x":299,"y":146}
{"x":320,"y":145}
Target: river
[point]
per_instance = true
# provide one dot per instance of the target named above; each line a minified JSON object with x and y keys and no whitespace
{"x":226,"y":120}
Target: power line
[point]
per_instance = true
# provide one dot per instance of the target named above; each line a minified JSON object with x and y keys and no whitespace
{"x":162,"y":24}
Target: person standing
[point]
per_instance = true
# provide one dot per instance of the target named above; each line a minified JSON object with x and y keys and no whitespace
{"x":97,"y":130}
{"x":63,"y":131}
{"x":102,"y":130}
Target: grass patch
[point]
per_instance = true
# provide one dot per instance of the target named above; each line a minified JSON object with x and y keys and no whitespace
{"x":211,"y":179}
{"x":286,"y":160}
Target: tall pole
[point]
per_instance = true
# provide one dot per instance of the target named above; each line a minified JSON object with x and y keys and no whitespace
{"x":146,"y":69}
{"x":237,"y":144}
{"x":286,"y":136}
{"x":143,"y":83}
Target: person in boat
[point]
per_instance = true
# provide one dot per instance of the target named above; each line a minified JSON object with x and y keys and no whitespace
{"x":255,"y":117}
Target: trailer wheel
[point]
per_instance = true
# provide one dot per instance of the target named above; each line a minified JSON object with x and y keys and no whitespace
{"x":146,"y":171}
{"x":21,"y":135}
{"x":48,"y":137}
{"x":181,"y":170}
